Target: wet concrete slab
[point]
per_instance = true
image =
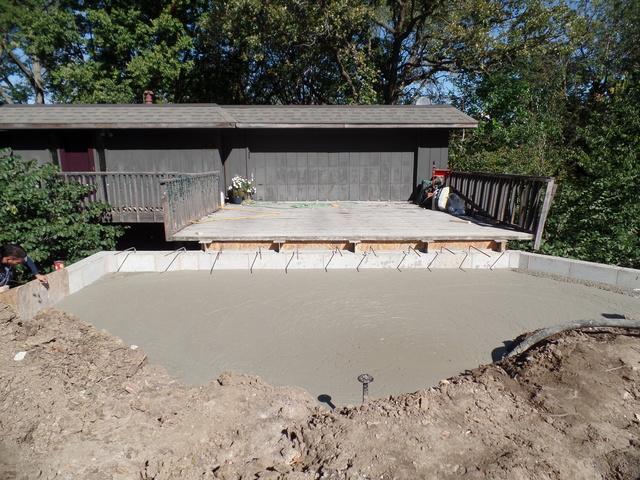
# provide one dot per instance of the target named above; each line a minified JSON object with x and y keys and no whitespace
{"x":321,"y":330}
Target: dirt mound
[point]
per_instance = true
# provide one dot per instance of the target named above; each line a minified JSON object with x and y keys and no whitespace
{"x":81,"y":404}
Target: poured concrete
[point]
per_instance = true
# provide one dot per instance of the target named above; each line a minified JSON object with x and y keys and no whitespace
{"x":320,"y":330}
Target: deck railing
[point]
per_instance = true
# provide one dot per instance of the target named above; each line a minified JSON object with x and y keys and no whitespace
{"x":187,"y":198}
{"x":136,"y":197}
{"x":515,"y":201}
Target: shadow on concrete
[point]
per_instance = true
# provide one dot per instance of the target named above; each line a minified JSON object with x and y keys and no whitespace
{"x":499,"y":353}
{"x":613,"y":316}
{"x":324,"y":398}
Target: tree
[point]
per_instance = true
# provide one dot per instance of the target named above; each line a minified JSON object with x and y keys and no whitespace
{"x":47,"y":216}
{"x":127,"y":48}
{"x":34,"y":36}
{"x":285,"y":51}
{"x":571,"y":113}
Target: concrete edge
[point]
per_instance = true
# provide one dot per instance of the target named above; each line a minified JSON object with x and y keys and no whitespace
{"x":580,"y":270}
{"x":32,"y":297}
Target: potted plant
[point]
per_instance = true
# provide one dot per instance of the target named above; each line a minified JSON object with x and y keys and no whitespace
{"x":240,"y":189}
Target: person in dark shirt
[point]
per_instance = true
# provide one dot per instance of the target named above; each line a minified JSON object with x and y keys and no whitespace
{"x":10,"y":256}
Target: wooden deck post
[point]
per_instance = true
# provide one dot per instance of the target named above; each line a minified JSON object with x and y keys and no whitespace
{"x":546,"y":206}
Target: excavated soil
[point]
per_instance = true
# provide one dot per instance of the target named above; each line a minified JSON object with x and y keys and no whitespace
{"x":81,"y":404}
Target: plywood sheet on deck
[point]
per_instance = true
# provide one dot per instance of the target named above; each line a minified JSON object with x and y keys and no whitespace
{"x":338,"y":221}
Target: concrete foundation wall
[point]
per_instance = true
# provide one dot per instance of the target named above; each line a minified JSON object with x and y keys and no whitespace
{"x":620,"y":277}
{"x":31,"y":298}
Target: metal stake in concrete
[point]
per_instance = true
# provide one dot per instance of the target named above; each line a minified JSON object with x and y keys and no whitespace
{"x":466,"y":254}
{"x":259,"y":252}
{"x":499,"y":257}
{"x":130,"y":250}
{"x":445,"y":248}
{"x":373,"y":251}
{"x":215,"y":260}
{"x":365,"y":379}
{"x":414,"y":250}
{"x":332,"y":255}
{"x":177,"y":252}
{"x":484,"y":253}
{"x":431,"y":262}
{"x":364,"y":255}
{"x":405,"y":256}
{"x":287,"y":267}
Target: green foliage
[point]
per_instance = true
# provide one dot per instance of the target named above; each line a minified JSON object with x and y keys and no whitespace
{"x":286,"y":51}
{"x":571,"y":110}
{"x":597,"y":214}
{"x":554,"y":84}
{"x":45,"y":215}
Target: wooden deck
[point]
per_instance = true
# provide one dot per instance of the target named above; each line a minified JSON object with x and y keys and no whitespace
{"x":353,"y":225}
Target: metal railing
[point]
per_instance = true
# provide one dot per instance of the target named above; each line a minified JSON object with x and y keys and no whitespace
{"x":187,"y":198}
{"x":133,"y":196}
{"x":516,"y":201}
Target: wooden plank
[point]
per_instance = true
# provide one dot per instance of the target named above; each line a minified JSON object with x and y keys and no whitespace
{"x":546,"y":206}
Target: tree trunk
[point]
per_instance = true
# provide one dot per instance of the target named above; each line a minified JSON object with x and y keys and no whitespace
{"x":38,"y":88}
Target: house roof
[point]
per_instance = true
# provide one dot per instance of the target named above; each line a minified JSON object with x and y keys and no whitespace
{"x":345,"y":116}
{"x":113,"y":116}
{"x":100,"y":116}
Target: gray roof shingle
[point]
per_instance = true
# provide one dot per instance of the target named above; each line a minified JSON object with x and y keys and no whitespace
{"x":114,"y":116}
{"x":423,"y":116}
{"x":231,"y":116}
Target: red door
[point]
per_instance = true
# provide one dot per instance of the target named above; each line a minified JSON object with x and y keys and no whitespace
{"x":77,"y":161}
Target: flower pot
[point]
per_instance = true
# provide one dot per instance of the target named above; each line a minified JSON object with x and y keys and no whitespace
{"x":236,"y":199}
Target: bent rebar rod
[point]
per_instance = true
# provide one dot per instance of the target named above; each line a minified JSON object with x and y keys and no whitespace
{"x":215,"y":260}
{"x":327,"y":265}
{"x":130,"y":250}
{"x":484,"y":253}
{"x":373,"y":251}
{"x":466,"y":254}
{"x":259,"y":252}
{"x":434,"y":259}
{"x":447,"y":250}
{"x":287,"y":267}
{"x":405,"y":256}
{"x":177,"y":252}
{"x":364,"y":255}
{"x":416,"y":251}
{"x":494,"y":263}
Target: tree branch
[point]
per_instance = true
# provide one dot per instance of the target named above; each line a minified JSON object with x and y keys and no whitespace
{"x":7,"y":98}
{"x":345,"y":75}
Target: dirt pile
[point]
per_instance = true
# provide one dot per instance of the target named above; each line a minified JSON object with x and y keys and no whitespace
{"x":81,"y":404}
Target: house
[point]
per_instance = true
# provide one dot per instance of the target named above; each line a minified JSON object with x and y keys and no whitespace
{"x":294,"y":153}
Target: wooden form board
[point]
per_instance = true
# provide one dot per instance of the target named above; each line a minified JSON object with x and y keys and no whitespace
{"x":360,"y":246}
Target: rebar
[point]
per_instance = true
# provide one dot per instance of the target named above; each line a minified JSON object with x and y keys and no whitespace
{"x":258,"y":253}
{"x":177,"y":252}
{"x":493,"y":264}
{"x":433,"y":260}
{"x":286,"y":269}
{"x":364,"y":255}
{"x":404,"y":256}
{"x":130,"y":250}
{"x":215,"y":260}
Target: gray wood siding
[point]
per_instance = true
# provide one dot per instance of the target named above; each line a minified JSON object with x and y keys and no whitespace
{"x":29,"y":146}
{"x":432,"y":151}
{"x":168,"y":151}
{"x":307,"y":165}
{"x":235,"y":153}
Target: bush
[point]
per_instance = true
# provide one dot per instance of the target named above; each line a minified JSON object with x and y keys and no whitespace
{"x":47,"y":216}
